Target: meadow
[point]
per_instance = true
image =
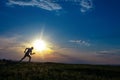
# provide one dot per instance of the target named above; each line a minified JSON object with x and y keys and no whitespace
{"x":11,"y":70}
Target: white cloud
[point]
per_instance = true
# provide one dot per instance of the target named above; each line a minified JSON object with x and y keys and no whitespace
{"x":43,"y":4}
{"x":86,"y":5}
{"x":81,"y":42}
{"x":7,"y":43}
{"x":10,"y":47}
{"x":112,"y":56}
{"x":110,"y":52}
{"x":52,"y":5}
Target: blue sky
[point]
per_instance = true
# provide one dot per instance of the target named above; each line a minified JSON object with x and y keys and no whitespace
{"x":82,"y":31}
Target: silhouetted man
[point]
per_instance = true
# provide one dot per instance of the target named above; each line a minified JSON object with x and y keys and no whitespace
{"x":28,"y":52}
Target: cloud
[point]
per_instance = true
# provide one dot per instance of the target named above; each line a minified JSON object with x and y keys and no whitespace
{"x":86,"y":5}
{"x":10,"y":47}
{"x":43,"y":4}
{"x":80,"y":42}
{"x":114,"y":52}
{"x":69,"y":58}
{"x":7,"y":42}
{"x":13,"y":47}
{"x":11,"y":44}
{"x":109,"y":56}
{"x":51,"y":5}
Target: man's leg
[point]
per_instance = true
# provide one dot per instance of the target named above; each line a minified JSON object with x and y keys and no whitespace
{"x":29,"y":58}
{"x":22,"y":58}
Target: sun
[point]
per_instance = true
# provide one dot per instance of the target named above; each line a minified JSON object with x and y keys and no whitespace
{"x":42,"y":48}
{"x":39,"y":45}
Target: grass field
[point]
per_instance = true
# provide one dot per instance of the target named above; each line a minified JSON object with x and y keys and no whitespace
{"x":10,"y":70}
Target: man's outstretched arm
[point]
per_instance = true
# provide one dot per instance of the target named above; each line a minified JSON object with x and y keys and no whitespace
{"x":32,"y":53}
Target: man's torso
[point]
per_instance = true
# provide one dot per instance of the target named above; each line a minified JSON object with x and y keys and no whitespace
{"x":29,"y":50}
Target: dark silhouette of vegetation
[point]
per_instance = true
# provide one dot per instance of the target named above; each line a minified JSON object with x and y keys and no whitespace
{"x":11,"y":70}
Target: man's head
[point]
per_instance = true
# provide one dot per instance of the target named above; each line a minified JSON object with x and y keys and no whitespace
{"x":32,"y":47}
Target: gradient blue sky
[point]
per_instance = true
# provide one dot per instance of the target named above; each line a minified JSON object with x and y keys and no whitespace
{"x":80,"y":31}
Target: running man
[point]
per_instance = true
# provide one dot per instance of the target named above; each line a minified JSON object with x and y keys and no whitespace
{"x":28,"y":52}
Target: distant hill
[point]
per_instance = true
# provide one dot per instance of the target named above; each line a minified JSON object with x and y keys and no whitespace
{"x":12,"y":70}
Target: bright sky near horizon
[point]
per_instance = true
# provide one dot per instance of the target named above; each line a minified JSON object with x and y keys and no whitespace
{"x":75,"y":31}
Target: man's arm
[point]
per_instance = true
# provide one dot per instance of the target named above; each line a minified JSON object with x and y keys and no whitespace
{"x":32,"y":53}
{"x":25,"y":50}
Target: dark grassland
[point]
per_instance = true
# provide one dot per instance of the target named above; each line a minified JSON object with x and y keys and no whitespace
{"x":10,"y":70}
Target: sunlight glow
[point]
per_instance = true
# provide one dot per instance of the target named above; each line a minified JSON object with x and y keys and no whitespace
{"x":39,"y":45}
{"x":42,"y":48}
